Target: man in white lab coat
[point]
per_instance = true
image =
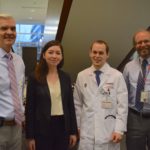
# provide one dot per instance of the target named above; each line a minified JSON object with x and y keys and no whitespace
{"x":101,"y":103}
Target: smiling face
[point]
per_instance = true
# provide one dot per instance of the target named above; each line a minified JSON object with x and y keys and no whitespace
{"x":53,"y":56}
{"x":98,"y":55}
{"x":7,"y":33}
{"x":142,"y":44}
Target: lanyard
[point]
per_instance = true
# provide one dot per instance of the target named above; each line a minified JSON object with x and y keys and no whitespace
{"x":147,"y":71}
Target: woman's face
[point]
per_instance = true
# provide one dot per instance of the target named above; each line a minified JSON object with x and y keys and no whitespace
{"x":53,"y":56}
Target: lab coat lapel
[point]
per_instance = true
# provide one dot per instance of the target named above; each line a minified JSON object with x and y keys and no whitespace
{"x":106,"y":75}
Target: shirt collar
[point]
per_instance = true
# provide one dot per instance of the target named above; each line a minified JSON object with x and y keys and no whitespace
{"x":141,"y":59}
{"x":103,"y":69}
{"x":3,"y":53}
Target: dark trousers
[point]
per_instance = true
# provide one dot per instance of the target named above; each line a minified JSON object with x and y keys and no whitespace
{"x":57,"y":139}
{"x":138,"y":132}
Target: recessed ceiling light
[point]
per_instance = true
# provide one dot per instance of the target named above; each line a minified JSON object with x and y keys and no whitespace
{"x":32,"y":10}
{"x":30,"y":18}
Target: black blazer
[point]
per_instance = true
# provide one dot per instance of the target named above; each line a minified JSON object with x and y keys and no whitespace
{"x":38,"y":106}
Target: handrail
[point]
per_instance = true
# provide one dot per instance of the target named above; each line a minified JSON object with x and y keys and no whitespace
{"x":63,"y":19}
{"x":126,"y":59}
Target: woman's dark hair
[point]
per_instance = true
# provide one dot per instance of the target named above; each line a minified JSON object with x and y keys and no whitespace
{"x":41,"y":69}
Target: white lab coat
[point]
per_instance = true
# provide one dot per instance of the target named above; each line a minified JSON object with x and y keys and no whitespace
{"x":96,"y":124}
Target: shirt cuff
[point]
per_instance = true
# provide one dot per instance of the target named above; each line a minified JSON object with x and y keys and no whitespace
{"x":120,"y":132}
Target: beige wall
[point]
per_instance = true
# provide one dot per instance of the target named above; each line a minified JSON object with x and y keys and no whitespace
{"x":112,"y":20}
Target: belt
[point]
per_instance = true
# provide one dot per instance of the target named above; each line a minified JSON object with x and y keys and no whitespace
{"x":4,"y":122}
{"x":142,"y":114}
{"x":9,"y":123}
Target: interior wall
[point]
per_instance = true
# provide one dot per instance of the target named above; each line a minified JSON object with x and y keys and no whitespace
{"x":114,"y":21}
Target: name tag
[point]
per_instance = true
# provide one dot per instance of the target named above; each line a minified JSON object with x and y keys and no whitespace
{"x":107,"y":104}
{"x":145,"y":96}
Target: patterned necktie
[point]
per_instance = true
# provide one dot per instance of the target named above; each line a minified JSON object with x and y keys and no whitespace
{"x":14,"y":89}
{"x":140,"y":85}
{"x":97,"y":76}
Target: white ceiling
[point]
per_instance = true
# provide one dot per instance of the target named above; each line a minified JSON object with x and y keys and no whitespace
{"x":25,"y":11}
{"x":46,"y":12}
{"x":33,"y":11}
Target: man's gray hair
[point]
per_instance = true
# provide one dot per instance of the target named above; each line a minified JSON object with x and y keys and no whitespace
{"x":5,"y":16}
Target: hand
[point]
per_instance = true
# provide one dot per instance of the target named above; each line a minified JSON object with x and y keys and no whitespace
{"x":116,"y":137}
{"x":72,"y":140}
{"x":31,"y":144}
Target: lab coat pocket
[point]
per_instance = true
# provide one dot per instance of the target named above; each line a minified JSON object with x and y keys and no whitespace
{"x":109,"y":125}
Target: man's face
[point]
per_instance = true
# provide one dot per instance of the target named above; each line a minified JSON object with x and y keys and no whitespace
{"x":98,"y":55}
{"x":142,"y":44}
{"x":7,"y":33}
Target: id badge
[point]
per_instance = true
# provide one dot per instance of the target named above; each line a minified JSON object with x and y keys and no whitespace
{"x":145,"y":96}
{"x":106,"y":104}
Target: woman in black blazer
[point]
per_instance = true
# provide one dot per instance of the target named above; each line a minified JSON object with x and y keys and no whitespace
{"x":50,"y":115}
